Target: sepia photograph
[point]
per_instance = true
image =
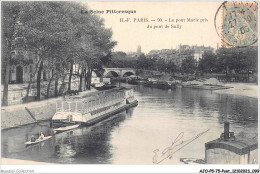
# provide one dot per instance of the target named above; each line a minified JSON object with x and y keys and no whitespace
{"x":152,"y":83}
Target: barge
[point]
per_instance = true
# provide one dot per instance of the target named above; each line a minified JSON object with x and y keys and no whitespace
{"x":137,"y":81}
{"x":103,"y":86}
{"x":92,"y":108}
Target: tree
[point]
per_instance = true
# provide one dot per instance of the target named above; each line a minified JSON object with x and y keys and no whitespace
{"x":238,"y":59}
{"x":91,"y":44}
{"x":61,"y":36}
{"x":142,"y":62}
{"x":102,"y":45}
{"x":9,"y":18}
{"x":170,"y":67}
{"x":47,"y":29}
{"x":208,"y":62}
{"x":58,"y":67}
{"x":188,"y":65}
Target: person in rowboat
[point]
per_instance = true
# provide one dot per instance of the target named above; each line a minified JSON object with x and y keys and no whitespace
{"x":41,"y":136}
{"x":33,"y":139}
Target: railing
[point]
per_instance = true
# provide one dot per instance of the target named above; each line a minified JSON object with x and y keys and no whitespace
{"x":89,"y":105}
{"x":69,"y":107}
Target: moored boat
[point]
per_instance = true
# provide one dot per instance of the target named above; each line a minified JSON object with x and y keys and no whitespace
{"x":66,"y":128}
{"x":137,"y":81}
{"x":231,"y":149}
{"x":103,"y":86}
{"x":91,"y":109}
{"x":151,"y":82}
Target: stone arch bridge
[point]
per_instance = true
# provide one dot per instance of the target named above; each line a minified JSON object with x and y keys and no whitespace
{"x":118,"y":72}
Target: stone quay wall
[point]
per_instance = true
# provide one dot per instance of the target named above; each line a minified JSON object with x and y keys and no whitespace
{"x":18,"y":115}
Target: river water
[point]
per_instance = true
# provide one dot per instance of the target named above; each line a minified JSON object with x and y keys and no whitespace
{"x":133,"y":136}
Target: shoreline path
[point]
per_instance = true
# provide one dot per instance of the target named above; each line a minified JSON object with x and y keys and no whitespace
{"x":241,"y":89}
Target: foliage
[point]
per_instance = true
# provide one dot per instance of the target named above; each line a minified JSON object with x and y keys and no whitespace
{"x":226,"y":60}
{"x":238,"y":60}
{"x":208,"y":63}
{"x":188,"y":65}
{"x":61,"y":36}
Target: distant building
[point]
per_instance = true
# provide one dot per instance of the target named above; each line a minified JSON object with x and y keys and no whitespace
{"x":178,"y":55}
{"x":181,"y":47}
{"x":23,"y":59}
{"x":139,"y":50}
{"x":20,"y":73}
{"x":199,"y":50}
{"x":135,"y":54}
{"x":168,"y":55}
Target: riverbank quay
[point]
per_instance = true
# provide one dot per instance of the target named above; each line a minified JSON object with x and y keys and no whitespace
{"x":19,"y":115}
{"x":213,"y":84}
{"x":209,"y":84}
{"x":241,"y":89}
{"x":17,"y":92}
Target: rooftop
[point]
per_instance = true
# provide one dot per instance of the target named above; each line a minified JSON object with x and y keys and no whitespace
{"x":240,"y":145}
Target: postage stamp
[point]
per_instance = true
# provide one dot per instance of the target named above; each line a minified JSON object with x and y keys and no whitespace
{"x":239,"y":23}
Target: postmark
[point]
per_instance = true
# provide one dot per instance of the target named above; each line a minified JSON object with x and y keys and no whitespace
{"x":237,"y":23}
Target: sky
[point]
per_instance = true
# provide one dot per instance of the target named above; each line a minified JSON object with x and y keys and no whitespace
{"x":131,"y":34}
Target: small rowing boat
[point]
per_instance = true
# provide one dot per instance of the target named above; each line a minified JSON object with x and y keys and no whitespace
{"x":66,"y":128}
{"x":37,"y":140}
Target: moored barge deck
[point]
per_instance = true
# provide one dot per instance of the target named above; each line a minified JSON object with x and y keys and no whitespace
{"x":88,"y":110}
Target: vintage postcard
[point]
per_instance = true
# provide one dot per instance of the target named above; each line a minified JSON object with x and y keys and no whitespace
{"x":167,"y":85}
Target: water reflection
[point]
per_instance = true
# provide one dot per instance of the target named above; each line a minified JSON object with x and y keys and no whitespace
{"x":130,"y":137}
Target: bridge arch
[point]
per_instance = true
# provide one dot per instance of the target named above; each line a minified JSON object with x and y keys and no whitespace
{"x":128,"y":73}
{"x":111,"y":74}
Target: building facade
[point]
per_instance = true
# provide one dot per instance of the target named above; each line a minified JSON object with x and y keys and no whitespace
{"x":23,"y":59}
{"x":178,"y":55}
{"x":199,"y":50}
